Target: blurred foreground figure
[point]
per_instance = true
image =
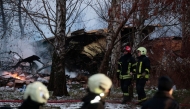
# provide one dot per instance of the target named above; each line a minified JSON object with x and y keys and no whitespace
{"x":163,"y":98}
{"x":36,"y":95}
{"x":98,"y":88}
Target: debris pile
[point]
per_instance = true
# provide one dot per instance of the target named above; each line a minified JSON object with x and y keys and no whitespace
{"x":16,"y":80}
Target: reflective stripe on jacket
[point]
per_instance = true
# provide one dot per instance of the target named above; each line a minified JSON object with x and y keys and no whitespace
{"x":126,"y":65}
{"x":143,"y":66}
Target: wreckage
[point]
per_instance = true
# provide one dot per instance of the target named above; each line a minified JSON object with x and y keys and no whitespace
{"x":85,"y":49}
{"x":14,"y":72}
{"x":30,"y":60}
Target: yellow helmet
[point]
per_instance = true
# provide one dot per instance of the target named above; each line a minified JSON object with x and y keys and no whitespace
{"x":142,"y":50}
{"x":37,"y":91}
{"x":99,"y":83}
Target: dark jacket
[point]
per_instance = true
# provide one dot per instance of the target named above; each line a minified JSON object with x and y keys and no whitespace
{"x":30,"y":104}
{"x":126,"y":65}
{"x":87,"y":102}
{"x":161,"y":100}
{"x":5,"y":107}
{"x":143,"y":66}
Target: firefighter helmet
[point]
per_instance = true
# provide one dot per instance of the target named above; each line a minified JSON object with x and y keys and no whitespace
{"x":142,"y":50}
{"x":127,"y":48}
{"x":99,"y":83}
{"x":37,"y":91}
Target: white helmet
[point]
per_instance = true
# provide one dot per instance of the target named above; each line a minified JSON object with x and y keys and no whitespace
{"x":99,"y":83}
{"x":37,"y":91}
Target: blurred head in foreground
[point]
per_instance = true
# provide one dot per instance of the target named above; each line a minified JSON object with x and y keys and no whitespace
{"x":165,"y":84}
{"x":98,"y":87}
{"x":36,"y":95}
{"x":99,"y":83}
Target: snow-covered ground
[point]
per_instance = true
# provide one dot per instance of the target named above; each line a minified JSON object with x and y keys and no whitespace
{"x":74,"y":105}
{"x":8,"y":94}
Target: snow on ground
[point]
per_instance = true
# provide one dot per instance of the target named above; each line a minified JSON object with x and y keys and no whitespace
{"x":73,"y":105}
{"x":8,"y":94}
{"x":76,"y":91}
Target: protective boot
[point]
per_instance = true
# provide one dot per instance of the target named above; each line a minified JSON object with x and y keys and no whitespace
{"x":140,"y":102}
{"x":125,"y":99}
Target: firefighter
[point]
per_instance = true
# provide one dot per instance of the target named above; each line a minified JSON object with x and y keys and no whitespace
{"x":126,"y":69}
{"x":98,"y":87}
{"x":35,"y":95}
{"x":142,"y":73}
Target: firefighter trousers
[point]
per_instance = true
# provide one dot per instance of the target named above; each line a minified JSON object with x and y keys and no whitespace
{"x":140,"y":84}
{"x":125,"y":83}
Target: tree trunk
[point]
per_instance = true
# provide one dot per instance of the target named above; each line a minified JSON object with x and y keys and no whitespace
{"x":51,"y":81}
{"x":3,"y":18}
{"x":112,"y":39}
{"x":60,"y":87}
{"x":141,"y":15}
{"x":185,"y":51}
{"x":112,"y":28}
{"x":112,"y":53}
{"x":20,"y":19}
{"x":138,"y":35}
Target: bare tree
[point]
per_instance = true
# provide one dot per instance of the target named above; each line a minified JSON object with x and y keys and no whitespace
{"x":3,"y":18}
{"x":58,"y":66}
{"x":10,"y":18}
{"x":114,"y":15}
{"x":117,"y":18}
{"x":138,"y":14}
{"x":20,"y":18}
{"x":57,"y":21}
{"x":185,"y":19}
{"x":59,"y":60}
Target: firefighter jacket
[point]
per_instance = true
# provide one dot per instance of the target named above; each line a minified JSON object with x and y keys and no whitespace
{"x":143,"y":66}
{"x":126,"y":65}
{"x":161,"y":100}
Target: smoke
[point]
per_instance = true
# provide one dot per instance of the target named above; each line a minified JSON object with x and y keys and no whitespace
{"x":71,"y":74}
{"x":24,"y":48}
{"x":19,"y":48}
